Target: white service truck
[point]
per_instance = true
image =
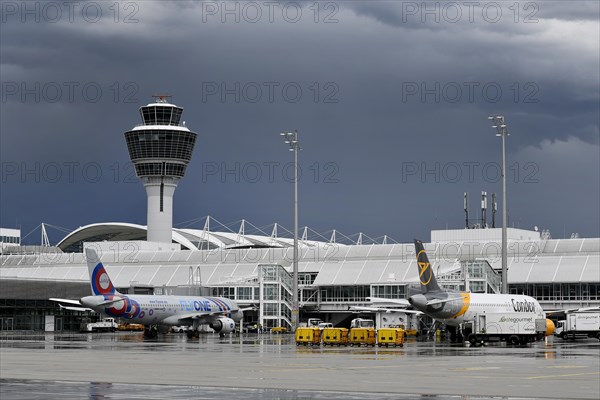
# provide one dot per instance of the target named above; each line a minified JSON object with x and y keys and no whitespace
{"x":362,"y":323}
{"x":579,"y":323}
{"x":105,"y":325}
{"x":514,"y":328}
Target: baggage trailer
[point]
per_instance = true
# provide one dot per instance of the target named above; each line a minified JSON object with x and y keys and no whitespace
{"x":308,"y":336}
{"x":360,"y":336}
{"x":579,"y":323}
{"x":362,"y":331}
{"x":390,"y":337}
{"x":335,"y":336}
{"x":513,"y":328}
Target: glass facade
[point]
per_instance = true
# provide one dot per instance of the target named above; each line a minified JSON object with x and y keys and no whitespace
{"x":160,"y":169}
{"x":165,"y":144}
{"x":30,"y":315}
{"x":558,"y":292}
{"x":161,"y":115}
{"x":227,"y":292}
{"x":276,"y":296}
{"x":10,"y":239}
{"x":345,"y":293}
{"x":239,"y":293}
{"x":388,"y":291}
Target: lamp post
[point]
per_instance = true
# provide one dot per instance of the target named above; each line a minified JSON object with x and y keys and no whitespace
{"x":502,"y":131}
{"x":291,"y":138}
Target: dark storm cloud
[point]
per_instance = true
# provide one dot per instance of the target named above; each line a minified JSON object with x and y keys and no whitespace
{"x":379,"y":97}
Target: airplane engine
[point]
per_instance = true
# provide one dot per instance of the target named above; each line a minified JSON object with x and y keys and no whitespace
{"x":223,"y":325}
{"x":549,"y":327}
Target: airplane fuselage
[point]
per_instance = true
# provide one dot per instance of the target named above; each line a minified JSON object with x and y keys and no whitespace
{"x":164,"y":310}
{"x":464,"y":306}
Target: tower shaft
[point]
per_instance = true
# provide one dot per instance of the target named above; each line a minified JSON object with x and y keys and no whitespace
{"x":160,"y":208}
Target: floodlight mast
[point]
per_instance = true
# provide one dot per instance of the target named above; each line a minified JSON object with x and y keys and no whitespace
{"x":291,"y":138}
{"x":501,"y":130}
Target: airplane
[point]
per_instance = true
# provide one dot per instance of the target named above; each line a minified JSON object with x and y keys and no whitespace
{"x":152,"y":311}
{"x":457,"y":308}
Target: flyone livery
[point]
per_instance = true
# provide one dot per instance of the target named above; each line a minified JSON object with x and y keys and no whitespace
{"x":514,"y":318}
{"x":152,"y":311}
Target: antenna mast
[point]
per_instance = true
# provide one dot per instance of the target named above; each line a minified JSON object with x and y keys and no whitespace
{"x":466,"y":207}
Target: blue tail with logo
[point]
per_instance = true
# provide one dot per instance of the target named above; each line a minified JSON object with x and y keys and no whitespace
{"x":99,"y":279}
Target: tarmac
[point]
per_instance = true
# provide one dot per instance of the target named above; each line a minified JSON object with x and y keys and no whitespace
{"x":125,"y":365}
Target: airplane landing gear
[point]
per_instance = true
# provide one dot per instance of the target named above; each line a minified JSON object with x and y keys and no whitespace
{"x":455,"y":334}
{"x":193,"y":331}
{"x":150,"y":331}
{"x":191,"y":334}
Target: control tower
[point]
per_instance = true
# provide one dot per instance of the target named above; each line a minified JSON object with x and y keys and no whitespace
{"x":160,"y":149}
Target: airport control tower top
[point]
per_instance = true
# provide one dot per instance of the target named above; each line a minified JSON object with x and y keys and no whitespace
{"x":162,"y":146}
{"x":160,"y":149}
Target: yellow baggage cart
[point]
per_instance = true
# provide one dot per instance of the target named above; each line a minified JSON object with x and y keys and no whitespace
{"x":390,"y":337}
{"x":308,"y":336}
{"x":360,"y":336}
{"x":335,"y":336}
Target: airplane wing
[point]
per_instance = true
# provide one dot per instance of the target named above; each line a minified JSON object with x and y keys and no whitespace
{"x":440,"y":301}
{"x":386,"y":310}
{"x":76,"y":305}
{"x":402,"y":302}
{"x":68,"y":301}
{"x":75,"y":308}
{"x":200,"y":315}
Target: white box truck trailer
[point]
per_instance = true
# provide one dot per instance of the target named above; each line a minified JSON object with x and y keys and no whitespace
{"x":579,"y":323}
{"x":514,"y":328}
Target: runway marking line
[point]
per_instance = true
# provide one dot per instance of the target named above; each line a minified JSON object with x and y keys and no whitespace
{"x":567,"y":366}
{"x":563,"y":375}
{"x":473,"y":368}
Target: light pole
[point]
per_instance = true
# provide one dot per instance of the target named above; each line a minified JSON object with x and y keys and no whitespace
{"x":291,"y":138}
{"x":501,"y":131}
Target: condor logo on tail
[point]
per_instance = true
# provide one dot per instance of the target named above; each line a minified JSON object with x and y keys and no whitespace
{"x":426,"y":277}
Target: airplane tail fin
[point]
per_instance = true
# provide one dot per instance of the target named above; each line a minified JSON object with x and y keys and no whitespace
{"x":99,"y":279}
{"x":426,"y":277}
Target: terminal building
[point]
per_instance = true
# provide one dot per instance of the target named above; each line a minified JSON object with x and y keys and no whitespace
{"x":255,"y":269}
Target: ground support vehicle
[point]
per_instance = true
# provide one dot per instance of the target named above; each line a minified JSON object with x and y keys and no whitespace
{"x":579,"y":323}
{"x":308,"y":336}
{"x":105,"y":325}
{"x":130,"y":327}
{"x":390,"y":337}
{"x":335,"y":336}
{"x":514,"y":328}
{"x":360,"y":336}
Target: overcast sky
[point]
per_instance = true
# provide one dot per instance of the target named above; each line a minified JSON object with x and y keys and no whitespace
{"x":390,"y":99}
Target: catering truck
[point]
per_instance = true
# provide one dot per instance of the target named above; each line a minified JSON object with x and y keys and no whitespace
{"x":514,"y":328}
{"x":579,"y":323}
